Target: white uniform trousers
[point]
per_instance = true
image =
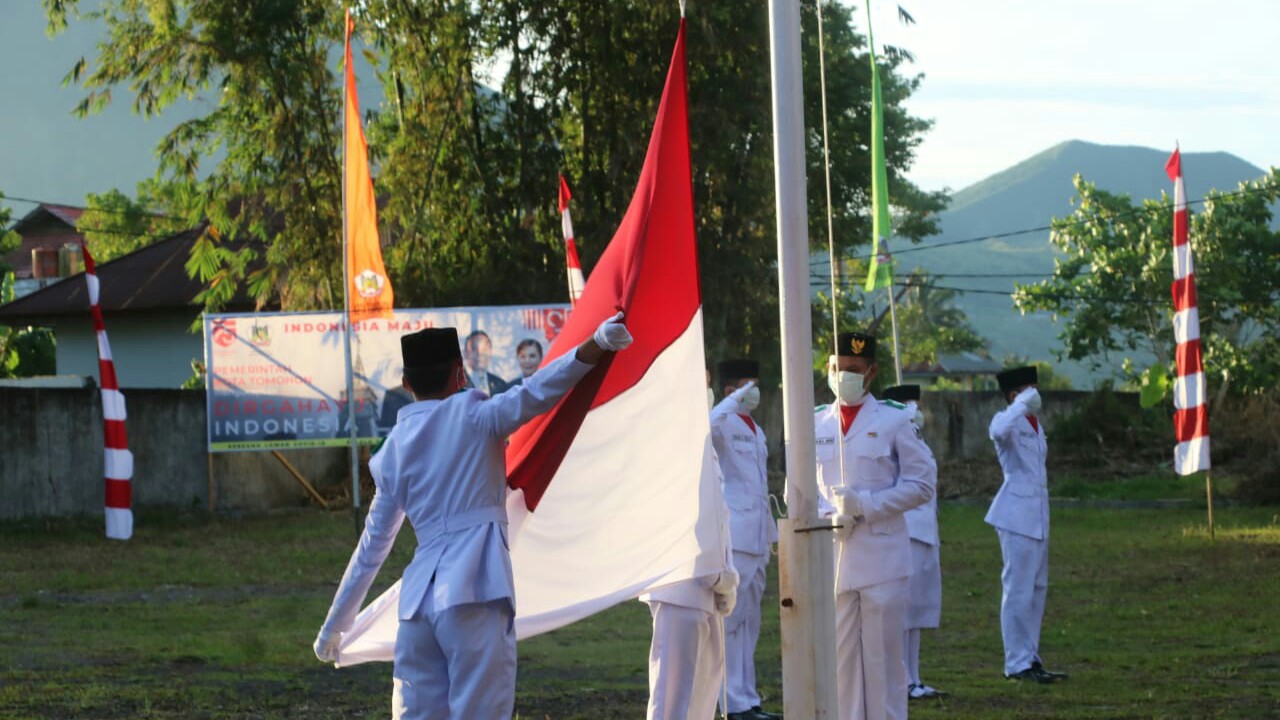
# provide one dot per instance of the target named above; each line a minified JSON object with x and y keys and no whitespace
{"x":871,"y":680}
{"x":1025,"y":580}
{"x":456,"y":664}
{"x":686,"y":663}
{"x":742,"y":632}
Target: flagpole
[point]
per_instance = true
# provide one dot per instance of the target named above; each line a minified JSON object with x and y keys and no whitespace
{"x":893,"y":322}
{"x":1208,"y":496}
{"x":346,"y":311}
{"x":806,"y":569}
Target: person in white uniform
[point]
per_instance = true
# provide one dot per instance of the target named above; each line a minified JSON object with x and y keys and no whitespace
{"x":686,"y":652}
{"x":1020,"y":515}
{"x":924,"y":590}
{"x":443,"y":466}
{"x":872,"y":468}
{"x":741,"y":445}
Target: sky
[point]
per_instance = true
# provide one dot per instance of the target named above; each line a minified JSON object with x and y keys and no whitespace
{"x":1006,"y":79}
{"x":1003,"y":80}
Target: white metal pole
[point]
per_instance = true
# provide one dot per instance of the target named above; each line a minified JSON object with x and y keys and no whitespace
{"x":893,"y":322}
{"x":805,"y":558}
{"x":346,"y":321}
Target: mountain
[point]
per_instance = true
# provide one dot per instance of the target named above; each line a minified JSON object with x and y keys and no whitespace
{"x":1028,"y":195}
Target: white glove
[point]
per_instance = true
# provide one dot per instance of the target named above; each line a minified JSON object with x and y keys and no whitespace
{"x":847,"y":503}
{"x":1030,"y":398}
{"x":612,"y":334}
{"x":843,"y":526}
{"x":725,"y":602}
{"x":326,"y":646}
{"x":741,"y":392}
{"x":726,"y":582}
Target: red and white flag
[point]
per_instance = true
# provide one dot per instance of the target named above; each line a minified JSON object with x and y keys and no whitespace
{"x":572,"y":264}
{"x":615,"y":491}
{"x":1191,"y":416}
{"x":118,"y":461}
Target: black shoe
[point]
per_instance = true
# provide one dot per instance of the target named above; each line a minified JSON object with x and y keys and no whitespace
{"x":762,"y":714}
{"x":744,"y":715}
{"x":1037,"y":675}
{"x":1055,"y":676}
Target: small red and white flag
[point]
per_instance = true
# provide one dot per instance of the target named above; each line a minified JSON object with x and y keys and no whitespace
{"x":572,"y":264}
{"x":1191,"y":415}
{"x":118,"y":461}
{"x":615,"y":491}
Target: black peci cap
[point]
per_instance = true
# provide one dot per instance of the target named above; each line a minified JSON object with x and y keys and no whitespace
{"x":734,"y":370}
{"x":1016,"y":377}
{"x":432,"y":346}
{"x":902,"y":393}
{"x":856,"y":344}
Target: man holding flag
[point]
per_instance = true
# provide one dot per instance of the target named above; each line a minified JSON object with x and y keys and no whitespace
{"x":443,"y":466}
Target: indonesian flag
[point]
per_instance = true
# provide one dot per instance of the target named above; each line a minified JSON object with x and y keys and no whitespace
{"x":117,"y":460}
{"x":615,"y":491}
{"x":572,"y":264}
{"x":1191,"y":416}
{"x":366,"y":277}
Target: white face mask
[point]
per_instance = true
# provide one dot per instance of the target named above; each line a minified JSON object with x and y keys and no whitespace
{"x":751,"y":400}
{"x":711,"y":398}
{"x":847,"y":387}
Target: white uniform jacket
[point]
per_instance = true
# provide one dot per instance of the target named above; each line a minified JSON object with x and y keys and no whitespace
{"x":444,"y":467}
{"x":922,"y":521}
{"x":1022,"y":504}
{"x":889,"y":470}
{"x":744,"y":461}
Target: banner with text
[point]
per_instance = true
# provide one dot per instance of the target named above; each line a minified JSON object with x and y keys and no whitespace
{"x":276,"y":380}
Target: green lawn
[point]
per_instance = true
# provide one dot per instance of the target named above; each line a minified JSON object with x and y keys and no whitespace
{"x":213,"y":618}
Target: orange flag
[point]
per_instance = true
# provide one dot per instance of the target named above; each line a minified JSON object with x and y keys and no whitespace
{"x":367,"y":282}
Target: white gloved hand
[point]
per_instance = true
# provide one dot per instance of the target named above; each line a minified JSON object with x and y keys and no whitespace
{"x":843,"y":526}
{"x":612,"y":334}
{"x":725,"y":602}
{"x":726,"y":581}
{"x":741,"y":392}
{"x":1030,"y":398}
{"x":326,"y":646}
{"x":847,"y":503}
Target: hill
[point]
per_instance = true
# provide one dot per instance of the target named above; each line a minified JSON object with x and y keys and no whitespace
{"x":1028,"y":195}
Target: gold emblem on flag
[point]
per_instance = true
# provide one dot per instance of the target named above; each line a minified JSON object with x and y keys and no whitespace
{"x":369,"y":284}
{"x":857,"y":345}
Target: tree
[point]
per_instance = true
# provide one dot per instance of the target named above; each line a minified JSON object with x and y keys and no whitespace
{"x":467,"y":172}
{"x":1111,"y":283}
{"x":929,"y":322}
{"x":24,"y":351}
{"x":115,"y":224}
{"x":271,"y":137}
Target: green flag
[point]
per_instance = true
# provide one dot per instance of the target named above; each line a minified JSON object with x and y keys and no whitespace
{"x":881,"y":272}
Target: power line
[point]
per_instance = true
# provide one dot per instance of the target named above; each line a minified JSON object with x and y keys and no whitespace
{"x":1072,"y":223}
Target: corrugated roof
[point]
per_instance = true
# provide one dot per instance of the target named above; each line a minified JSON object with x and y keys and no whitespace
{"x":963,"y":363}
{"x":152,"y":278}
{"x":68,"y":214}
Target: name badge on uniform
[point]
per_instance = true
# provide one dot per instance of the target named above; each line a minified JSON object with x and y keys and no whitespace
{"x":872,"y":434}
{"x":826,"y":441}
{"x":743,"y":438}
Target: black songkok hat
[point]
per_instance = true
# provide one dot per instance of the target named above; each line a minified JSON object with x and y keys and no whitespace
{"x":903,"y":393}
{"x":1017,"y":377}
{"x":432,"y":346}
{"x":856,"y":344}
{"x":734,"y":370}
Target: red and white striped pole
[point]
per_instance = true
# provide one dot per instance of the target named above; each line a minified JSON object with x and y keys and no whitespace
{"x":572,"y":264}
{"x":118,"y":461}
{"x":1191,"y":414}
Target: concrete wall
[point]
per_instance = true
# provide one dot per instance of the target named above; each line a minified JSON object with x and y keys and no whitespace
{"x":51,"y":450}
{"x":51,"y":456}
{"x":151,"y":350}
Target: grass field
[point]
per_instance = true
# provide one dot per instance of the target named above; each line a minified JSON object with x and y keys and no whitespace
{"x":202,"y":617}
